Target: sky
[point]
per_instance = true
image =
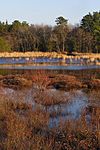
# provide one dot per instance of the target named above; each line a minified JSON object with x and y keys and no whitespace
{"x":46,"y":11}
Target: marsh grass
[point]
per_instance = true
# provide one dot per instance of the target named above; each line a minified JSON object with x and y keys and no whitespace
{"x":25,"y":128}
{"x":29,"y":130}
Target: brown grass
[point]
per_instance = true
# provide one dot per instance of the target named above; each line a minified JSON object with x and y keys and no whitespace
{"x":25,"y":128}
{"x":29,"y":130}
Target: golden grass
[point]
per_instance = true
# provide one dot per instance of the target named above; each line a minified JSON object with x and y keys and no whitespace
{"x":48,"y":54}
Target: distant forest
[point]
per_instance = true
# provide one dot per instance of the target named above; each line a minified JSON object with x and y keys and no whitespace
{"x":63,"y":37}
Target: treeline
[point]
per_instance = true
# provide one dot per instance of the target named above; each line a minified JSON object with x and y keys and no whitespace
{"x":22,"y":37}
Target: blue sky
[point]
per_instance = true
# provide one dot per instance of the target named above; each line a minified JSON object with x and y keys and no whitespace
{"x":46,"y":11}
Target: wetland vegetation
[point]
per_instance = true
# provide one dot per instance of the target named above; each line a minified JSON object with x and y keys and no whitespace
{"x":50,"y":110}
{"x":57,"y":108}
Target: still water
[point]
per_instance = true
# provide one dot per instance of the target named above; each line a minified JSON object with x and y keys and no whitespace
{"x":76,"y":102}
{"x":46,"y":63}
{"x":72,"y":108}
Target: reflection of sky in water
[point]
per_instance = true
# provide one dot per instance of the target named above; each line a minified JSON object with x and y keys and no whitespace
{"x":29,"y":60}
{"x":45,"y":63}
{"x":49,"y":67}
{"x":70,"y":110}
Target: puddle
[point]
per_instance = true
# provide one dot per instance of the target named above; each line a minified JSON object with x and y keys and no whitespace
{"x":71,"y":109}
{"x":77,"y":102}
